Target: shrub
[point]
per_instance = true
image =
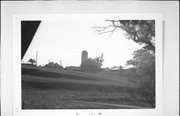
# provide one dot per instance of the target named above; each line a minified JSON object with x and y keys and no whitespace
{"x":146,"y":88}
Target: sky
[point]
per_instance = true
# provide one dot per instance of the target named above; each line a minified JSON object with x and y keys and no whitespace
{"x":64,"y":40}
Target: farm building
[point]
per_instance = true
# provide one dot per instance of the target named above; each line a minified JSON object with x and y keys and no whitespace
{"x":88,"y":65}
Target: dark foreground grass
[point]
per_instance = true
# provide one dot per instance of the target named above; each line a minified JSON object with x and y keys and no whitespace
{"x":65,"y":95}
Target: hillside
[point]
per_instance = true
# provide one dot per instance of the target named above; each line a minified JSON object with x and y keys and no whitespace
{"x":48,"y":88}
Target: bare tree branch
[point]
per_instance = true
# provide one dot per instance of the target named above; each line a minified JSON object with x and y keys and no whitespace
{"x":107,"y":29}
{"x":110,"y":31}
{"x":100,"y":29}
{"x":140,"y":31}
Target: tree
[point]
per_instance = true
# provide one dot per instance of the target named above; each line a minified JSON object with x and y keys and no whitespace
{"x":121,"y":68}
{"x":54,"y":65}
{"x":140,"y":31}
{"x":99,"y":60}
{"x":144,"y":62}
{"x":32,"y":61}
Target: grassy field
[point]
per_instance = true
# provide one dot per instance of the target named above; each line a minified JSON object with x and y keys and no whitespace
{"x":44,"y":88}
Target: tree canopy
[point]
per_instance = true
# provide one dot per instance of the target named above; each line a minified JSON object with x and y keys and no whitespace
{"x":32,"y":61}
{"x":53,"y":64}
{"x":99,"y":60}
{"x":144,"y":61}
{"x":140,"y":31}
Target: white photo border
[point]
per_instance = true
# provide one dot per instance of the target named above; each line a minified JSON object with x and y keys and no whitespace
{"x":17,"y":111}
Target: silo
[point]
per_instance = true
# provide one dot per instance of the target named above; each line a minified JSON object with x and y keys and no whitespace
{"x":84,"y":56}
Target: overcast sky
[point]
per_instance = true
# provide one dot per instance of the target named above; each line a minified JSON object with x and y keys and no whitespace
{"x":64,"y":40}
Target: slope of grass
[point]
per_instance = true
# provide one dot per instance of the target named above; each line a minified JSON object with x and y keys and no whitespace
{"x":41,"y":73}
{"x":49,"y":90}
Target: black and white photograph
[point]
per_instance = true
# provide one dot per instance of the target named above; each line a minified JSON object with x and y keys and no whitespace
{"x":89,"y":58}
{"x":88,"y":63}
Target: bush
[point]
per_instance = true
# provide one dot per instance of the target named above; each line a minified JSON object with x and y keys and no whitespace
{"x":144,"y":63}
{"x":146,"y":88}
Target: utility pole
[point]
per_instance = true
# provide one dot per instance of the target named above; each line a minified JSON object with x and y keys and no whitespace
{"x":60,"y":63}
{"x":36,"y":58}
